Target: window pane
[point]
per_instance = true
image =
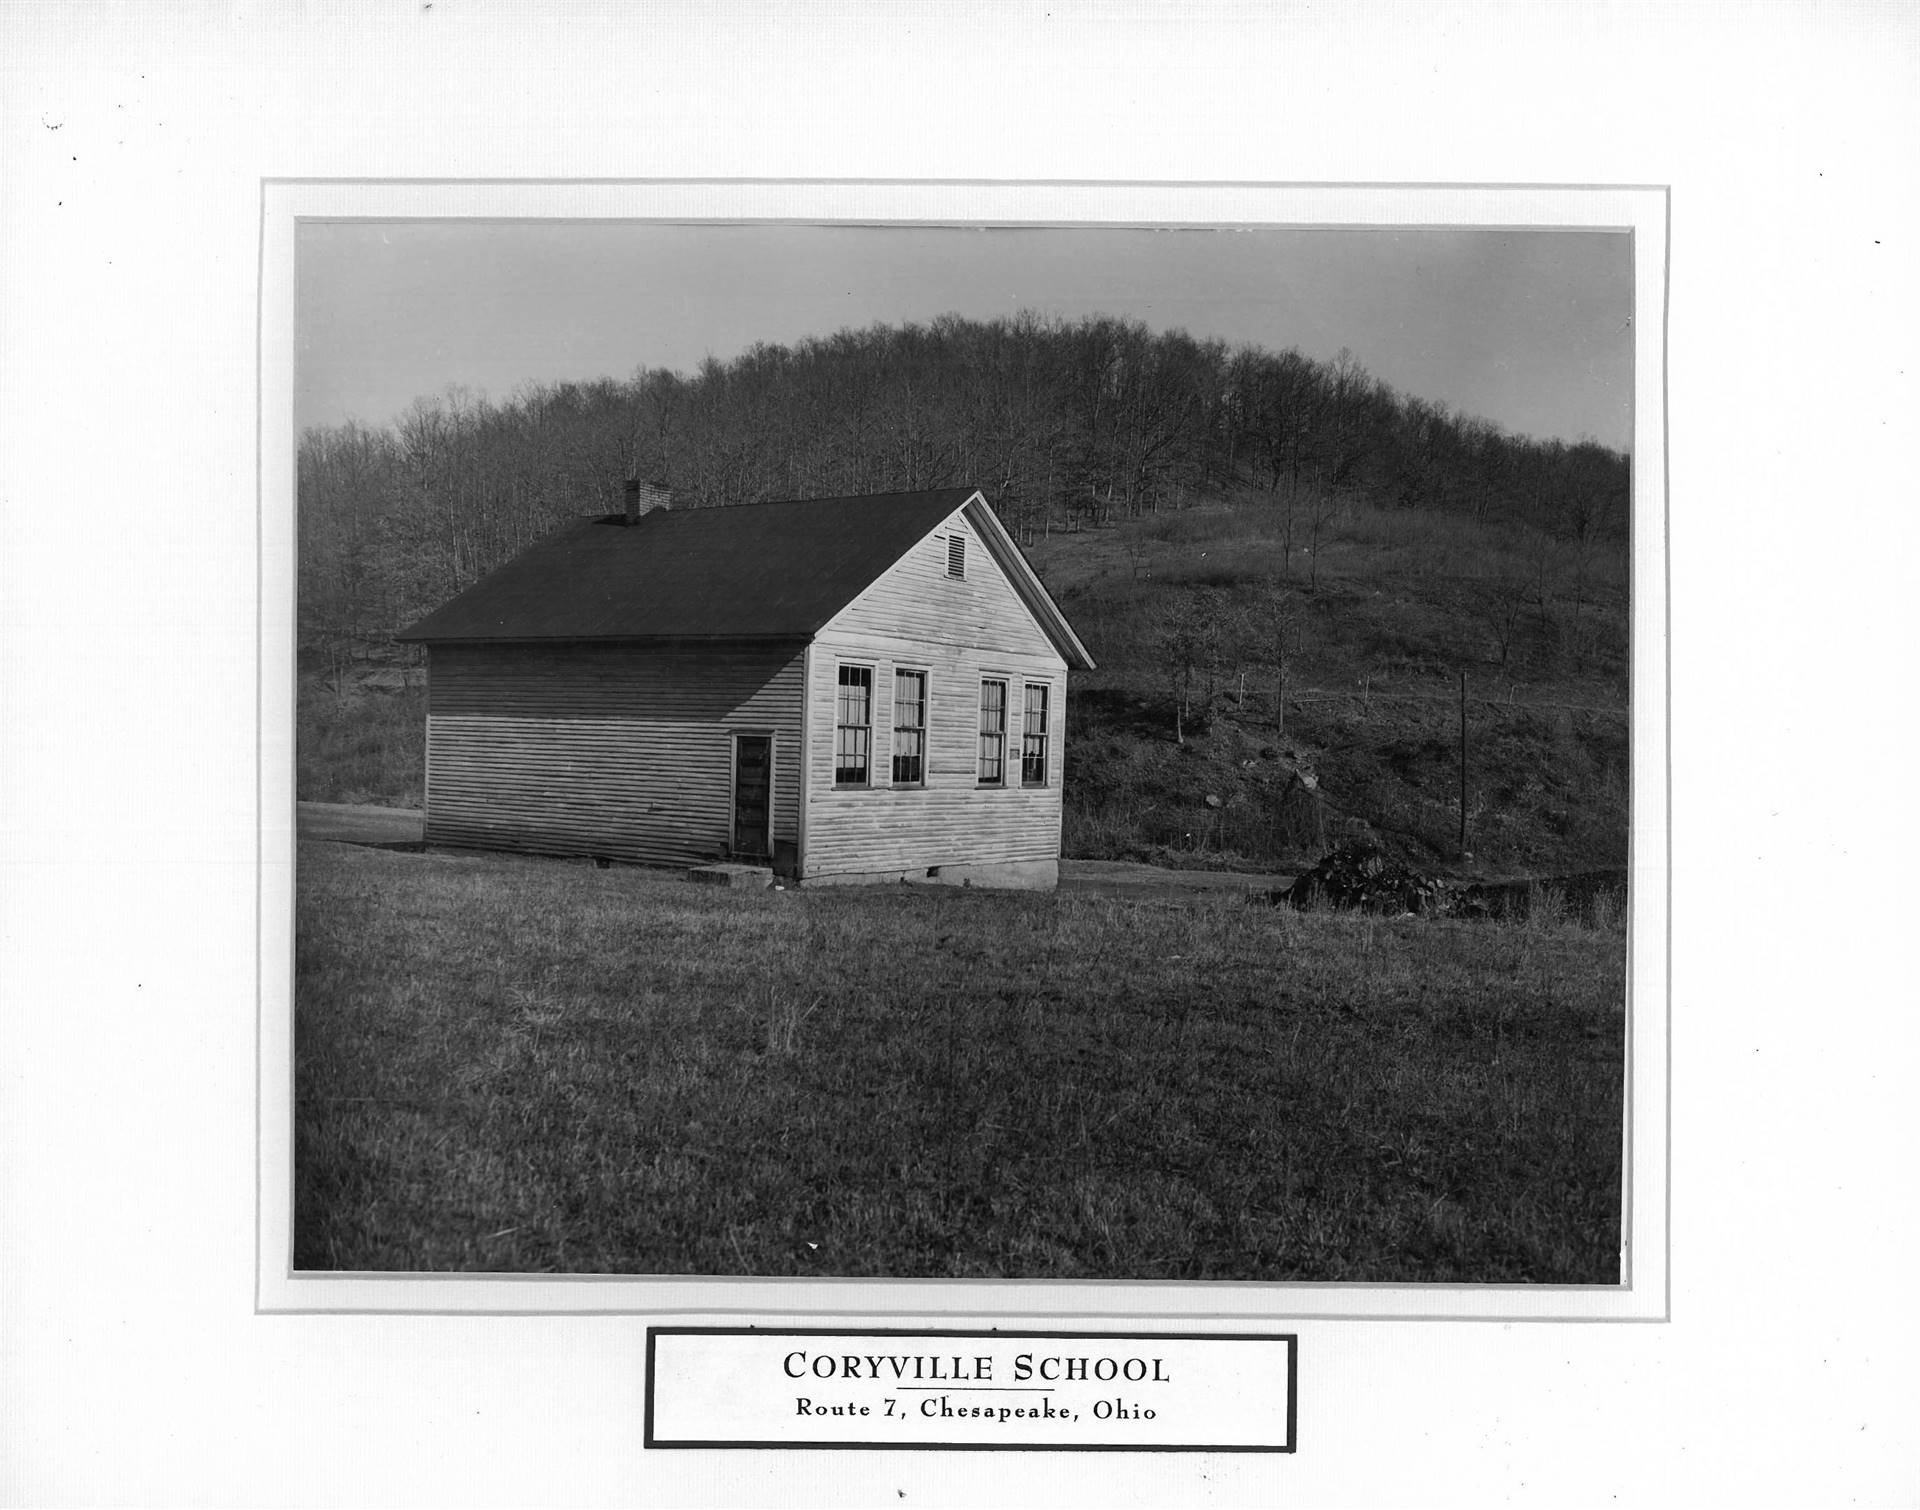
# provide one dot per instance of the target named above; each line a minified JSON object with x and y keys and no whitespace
{"x":907,"y":765}
{"x":853,"y":731}
{"x":909,"y":726}
{"x":909,"y":699}
{"x":993,"y":732}
{"x":1033,"y":743}
{"x":856,"y":685}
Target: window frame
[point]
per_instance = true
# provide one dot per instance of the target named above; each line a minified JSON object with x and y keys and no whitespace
{"x":865,"y":783}
{"x":1004,"y":683}
{"x":1045,"y":689}
{"x":926,"y":719}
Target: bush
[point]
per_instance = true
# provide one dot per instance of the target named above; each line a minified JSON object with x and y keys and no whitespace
{"x":1357,"y":873}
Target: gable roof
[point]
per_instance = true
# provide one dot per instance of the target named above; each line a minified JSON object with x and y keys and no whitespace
{"x":756,"y":571}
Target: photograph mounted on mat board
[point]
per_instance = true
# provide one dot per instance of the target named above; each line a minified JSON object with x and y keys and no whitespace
{"x":1159,"y":710}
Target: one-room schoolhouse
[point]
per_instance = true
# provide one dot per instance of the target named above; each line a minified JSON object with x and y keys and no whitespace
{"x":847,"y":689}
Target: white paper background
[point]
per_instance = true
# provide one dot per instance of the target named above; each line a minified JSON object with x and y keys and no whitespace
{"x":132,"y":1367}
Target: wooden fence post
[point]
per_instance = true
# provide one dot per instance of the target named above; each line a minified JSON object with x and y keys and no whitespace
{"x":1463,"y":765}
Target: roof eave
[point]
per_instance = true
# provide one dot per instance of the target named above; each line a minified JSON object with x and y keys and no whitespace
{"x":1026,"y":582}
{"x":783,"y":637}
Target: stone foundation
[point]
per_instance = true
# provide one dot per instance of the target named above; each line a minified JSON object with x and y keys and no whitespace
{"x":755,"y":877}
{"x":1003,"y":875}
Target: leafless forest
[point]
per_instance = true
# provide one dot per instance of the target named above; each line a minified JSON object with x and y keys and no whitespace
{"x":1066,"y":424}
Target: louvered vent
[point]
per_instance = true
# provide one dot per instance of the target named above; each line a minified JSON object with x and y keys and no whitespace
{"x":956,"y":555}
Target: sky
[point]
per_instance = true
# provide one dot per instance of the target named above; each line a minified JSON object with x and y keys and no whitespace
{"x":1528,"y":328}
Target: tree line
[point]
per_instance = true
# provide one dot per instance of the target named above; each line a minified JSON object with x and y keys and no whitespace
{"x":1064,"y":423}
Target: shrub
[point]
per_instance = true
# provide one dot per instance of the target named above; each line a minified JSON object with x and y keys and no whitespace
{"x":1357,"y":873}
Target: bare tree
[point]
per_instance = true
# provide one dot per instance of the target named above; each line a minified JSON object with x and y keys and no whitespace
{"x":1192,"y":641}
{"x":1286,"y":623}
{"x":1504,"y":597}
{"x":1324,"y":510}
{"x":1179,"y":651}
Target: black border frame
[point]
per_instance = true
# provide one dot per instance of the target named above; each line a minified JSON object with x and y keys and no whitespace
{"x":651,"y":1442}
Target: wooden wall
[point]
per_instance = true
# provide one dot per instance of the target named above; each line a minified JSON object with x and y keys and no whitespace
{"x":622,"y":751}
{"x":916,"y":617}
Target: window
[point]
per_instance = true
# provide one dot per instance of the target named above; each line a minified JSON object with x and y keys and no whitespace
{"x":853,"y":726}
{"x":993,"y":733}
{"x":956,"y":555}
{"x":1033,"y":738}
{"x":909,"y":727}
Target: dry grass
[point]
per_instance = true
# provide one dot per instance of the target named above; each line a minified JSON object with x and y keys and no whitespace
{"x":1406,"y":601}
{"x":521,"y":1065}
{"x":360,"y":746}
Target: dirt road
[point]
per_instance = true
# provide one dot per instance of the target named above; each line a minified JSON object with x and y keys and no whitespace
{"x":346,"y":823}
{"x":350,"y":823}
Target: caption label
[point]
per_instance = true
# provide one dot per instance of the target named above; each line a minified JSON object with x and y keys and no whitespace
{"x":749,"y":1387}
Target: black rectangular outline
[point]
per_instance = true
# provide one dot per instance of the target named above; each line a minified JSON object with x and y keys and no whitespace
{"x":649,"y":1442}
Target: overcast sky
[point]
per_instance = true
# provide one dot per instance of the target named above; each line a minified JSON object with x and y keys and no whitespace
{"x":1527,"y":328}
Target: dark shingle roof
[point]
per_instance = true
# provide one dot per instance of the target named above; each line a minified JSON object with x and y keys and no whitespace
{"x":752,"y":571}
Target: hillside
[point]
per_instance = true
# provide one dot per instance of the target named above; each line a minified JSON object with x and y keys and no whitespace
{"x":1192,"y":607}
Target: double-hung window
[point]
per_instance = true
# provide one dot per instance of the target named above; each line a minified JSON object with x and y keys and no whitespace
{"x":853,"y":726}
{"x":909,"y":728}
{"x":1033,"y":737}
{"x":993,"y":733}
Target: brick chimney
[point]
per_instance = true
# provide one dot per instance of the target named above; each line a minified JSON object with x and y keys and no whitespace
{"x":645,"y":497}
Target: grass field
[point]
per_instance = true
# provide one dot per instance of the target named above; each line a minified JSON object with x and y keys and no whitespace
{"x":508,"y":1064}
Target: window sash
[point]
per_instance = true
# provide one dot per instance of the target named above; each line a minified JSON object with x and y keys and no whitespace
{"x":993,"y":733}
{"x":853,"y":726}
{"x":909,"y":728}
{"x":1033,"y":737}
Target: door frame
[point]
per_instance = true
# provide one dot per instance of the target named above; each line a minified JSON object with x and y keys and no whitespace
{"x":772,"y":737}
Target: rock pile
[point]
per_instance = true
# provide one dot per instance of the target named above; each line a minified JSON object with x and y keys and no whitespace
{"x":1358,"y":873}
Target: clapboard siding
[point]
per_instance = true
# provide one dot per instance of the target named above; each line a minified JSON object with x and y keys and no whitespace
{"x":915,"y":599}
{"x":740,"y":687}
{"x":623,"y":751}
{"x":916,"y":617}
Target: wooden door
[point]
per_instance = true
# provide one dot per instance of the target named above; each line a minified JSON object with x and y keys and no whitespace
{"x":753,"y":794}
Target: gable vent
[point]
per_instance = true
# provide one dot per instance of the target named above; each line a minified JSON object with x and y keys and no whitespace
{"x":956,"y":555}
